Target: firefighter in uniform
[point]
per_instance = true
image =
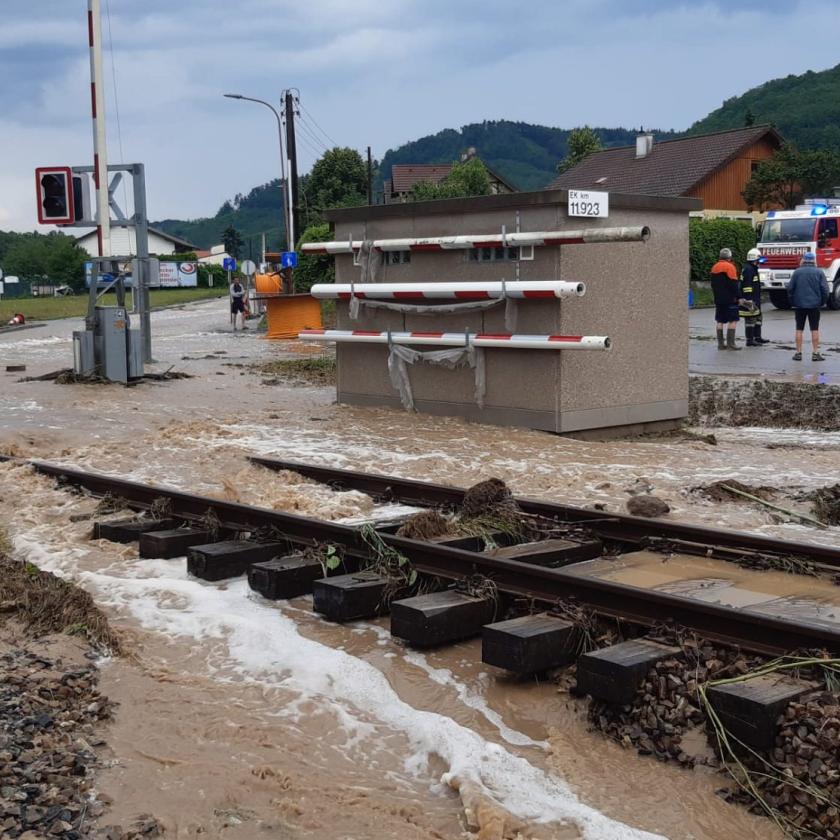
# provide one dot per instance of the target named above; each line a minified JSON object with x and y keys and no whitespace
{"x":750,"y":306}
{"x":726,"y":291}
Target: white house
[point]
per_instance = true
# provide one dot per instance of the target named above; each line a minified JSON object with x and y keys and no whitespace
{"x":215,"y":256}
{"x":123,"y":243}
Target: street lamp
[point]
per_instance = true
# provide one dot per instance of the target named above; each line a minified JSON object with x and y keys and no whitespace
{"x":283,"y":184}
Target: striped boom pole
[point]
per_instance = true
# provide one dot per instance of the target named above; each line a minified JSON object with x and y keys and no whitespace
{"x":517,"y":289}
{"x":100,"y":148}
{"x":493,"y":240}
{"x":455,"y":339}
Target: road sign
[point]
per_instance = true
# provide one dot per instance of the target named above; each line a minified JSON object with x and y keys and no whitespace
{"x":229,"y":264}
{"x":594,"y":205}
{"x":248,"y":268}
{"x":288,"y":259}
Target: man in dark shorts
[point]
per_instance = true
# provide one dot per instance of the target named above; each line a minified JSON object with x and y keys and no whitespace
{"x":726,"y":291}
{"x":808,"y":293}
{"x":237,"y":302}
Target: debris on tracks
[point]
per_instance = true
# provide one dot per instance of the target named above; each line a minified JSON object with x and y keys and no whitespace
{"x":427,"y":525}
{"x":44,"y":603}
{"x":67,"y":376}
{"x":489,"y":508}
{"x":826,"y":501}
{"x":719,"y":491}
{"x":647,"y":506}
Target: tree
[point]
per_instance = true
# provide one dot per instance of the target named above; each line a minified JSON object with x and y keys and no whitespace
{"x":749,"y":118}
{"x":582,"y":143}
{"x":338,"y":179}
{"x":232,"y":241}
{"x":790,"y":175}
{"x":54,"y":256}
{"x":314,"y":268}
{"x":467,"y":178}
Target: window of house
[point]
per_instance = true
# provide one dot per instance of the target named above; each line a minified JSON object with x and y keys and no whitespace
{"x":499,"y":254}
{"x":396,"y":257}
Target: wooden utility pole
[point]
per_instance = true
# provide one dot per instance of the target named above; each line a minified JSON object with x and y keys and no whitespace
{"x":291,"y":151}
{"x":369,"y":177}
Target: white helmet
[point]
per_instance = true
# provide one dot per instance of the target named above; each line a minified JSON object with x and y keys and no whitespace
{"x":753,"y":254}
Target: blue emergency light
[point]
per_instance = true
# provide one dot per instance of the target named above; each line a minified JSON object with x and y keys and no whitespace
{"x":819,"y":210}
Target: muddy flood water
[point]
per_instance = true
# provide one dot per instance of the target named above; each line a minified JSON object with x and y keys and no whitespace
{"x":243,"y":718}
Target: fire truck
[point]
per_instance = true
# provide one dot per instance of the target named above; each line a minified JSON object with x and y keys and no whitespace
{"x":787,"y":234}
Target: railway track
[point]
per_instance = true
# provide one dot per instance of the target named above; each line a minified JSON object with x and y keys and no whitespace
{"x":517,"y":575}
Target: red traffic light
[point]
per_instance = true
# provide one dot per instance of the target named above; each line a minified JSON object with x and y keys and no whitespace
{"x":54,"y":191}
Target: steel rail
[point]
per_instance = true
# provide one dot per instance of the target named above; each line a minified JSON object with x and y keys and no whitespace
{"x":618,"y":526}
{"x":762,"y":633}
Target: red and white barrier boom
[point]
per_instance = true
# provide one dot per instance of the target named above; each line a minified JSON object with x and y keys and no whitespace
{"x":462,"y":339}
{"x":517,"y":289}
{"x":492,"y":240}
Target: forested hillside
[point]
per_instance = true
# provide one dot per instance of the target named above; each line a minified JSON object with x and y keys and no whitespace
{"x":806,"y":109}
{"x":261,"y":211}
{"x":525,"y":154}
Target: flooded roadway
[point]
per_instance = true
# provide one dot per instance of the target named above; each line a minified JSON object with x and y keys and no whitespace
{"x":243,"y":718}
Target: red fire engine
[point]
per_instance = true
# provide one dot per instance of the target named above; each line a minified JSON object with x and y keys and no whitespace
{"x":787,"y":234}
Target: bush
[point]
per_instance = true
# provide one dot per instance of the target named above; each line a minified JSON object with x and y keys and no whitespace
{"x":314,"y":268}
{"x":205,"y":272}
{"x":707,"y":236}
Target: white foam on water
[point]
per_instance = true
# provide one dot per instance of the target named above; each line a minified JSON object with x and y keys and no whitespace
{"x":472,"y":699}
{"x":263,"y":644}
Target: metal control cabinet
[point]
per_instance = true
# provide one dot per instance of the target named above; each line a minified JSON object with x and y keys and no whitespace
{"x":110,"y":338}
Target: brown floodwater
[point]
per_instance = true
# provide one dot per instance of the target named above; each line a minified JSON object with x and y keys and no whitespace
{"x":242,"y":718}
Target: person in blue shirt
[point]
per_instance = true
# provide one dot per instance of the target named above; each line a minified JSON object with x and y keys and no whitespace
{"x":808,"y":293}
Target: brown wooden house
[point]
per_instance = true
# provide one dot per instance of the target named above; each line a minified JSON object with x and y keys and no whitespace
{"x":712,"y":167}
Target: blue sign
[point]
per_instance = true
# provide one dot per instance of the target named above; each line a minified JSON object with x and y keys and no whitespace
{"x":288,"y":259}
{"x":229,"y":264}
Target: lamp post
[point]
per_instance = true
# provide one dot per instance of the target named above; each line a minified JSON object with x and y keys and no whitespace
{"x":283,"y":184}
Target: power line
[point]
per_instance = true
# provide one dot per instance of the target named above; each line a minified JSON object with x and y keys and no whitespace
{"x":302,"y":138}
{"x":116,"y":97}
{"x":312,"y":136}
{"x":315,"y":122}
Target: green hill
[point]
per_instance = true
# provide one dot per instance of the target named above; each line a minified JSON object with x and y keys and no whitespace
{"x":261,"y":211}
{"x":525,"y":154}
{"x":806,"y":109}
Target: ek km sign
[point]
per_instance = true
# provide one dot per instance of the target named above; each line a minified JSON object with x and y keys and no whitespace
{"x":594,"y":205}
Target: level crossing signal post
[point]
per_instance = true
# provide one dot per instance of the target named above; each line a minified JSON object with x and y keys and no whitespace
{"x":63,"y":196}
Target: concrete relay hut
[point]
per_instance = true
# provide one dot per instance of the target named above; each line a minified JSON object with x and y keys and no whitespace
{"x":636,"y":294}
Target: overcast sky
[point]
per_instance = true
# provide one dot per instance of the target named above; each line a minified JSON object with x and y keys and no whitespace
{"x":370,"y":72}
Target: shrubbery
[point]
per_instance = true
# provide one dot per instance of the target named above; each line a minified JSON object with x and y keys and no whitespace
{"x":314,"y":268}
{"x":707,"y":236}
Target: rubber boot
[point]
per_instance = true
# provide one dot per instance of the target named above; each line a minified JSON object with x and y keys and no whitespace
{"x":757,"y":336}
{"x":750,"y":332}
{"x":721,"y":343}
{"x":730,"y":340}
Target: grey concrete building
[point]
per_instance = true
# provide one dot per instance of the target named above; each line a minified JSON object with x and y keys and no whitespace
{"x":636,"y":294}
